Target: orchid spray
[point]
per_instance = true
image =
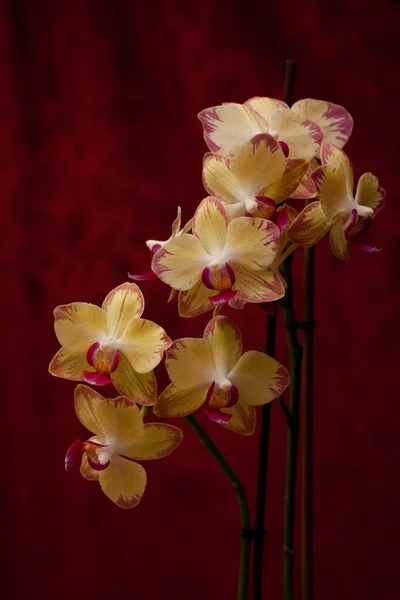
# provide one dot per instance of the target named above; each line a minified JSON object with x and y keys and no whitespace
{"x":265,"y":156}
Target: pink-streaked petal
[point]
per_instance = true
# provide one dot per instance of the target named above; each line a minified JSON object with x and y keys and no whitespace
{"x":195,"y":301}
{"x":175,"y":402}
{"x":334,"y":120}
{"x":124,"y":482}
{"x":209,"y":225}
{"x":218,"y":179}
{"x":140,"y":387}
{"x":265,"y":107}
{"x":223,"y":297}
{"x":251,"y":243}
{"x":190,"y":362}
{"x":259,"y":378}
{"x":283,"y":187}
{"x":309,"y":226}
{"x":180,"y":262}
{"x":69,"y":365}
{"x":96,"y":378}
{"x":243,"y":420}
{"x":369,"y":194}
{"x":122,"y":304}
{"x":143,"y":343}
{"x":334,"y":191}
{"x":226,"y":341}
{"x":146,"y":276}
{"x":73,"y":458}
{"x":260,"y":286}
{"x":216,"y":415}
{"x":306,"y":189}
{"x":281,"y":218}
{"x":229,"y":126}
{"x":339,"y":243}
{"x":158,"y":440}
{"x":302,"y":136}
{"x":78,"y":325}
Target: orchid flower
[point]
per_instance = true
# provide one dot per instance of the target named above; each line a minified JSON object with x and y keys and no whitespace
{"x":220,"y":260}
{"x":337,"y":210}
{"x":120,"y":438}
{"x":110,"y":344}
{"x":299,"y":129}
{"x":212,"y":374}
{"x":258,"y":173}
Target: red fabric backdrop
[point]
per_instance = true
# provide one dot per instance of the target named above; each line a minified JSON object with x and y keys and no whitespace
{"x":100,"y":143}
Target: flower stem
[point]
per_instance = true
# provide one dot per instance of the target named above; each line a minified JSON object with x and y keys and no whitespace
{"x":307,"y":404}
{"x":292,"y":435}
{"x":240,"y":491}
{"x":144,"y":410}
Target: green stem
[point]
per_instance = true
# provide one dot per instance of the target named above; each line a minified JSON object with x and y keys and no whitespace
{"x":238,"y":486}
{"x":292,"y":436}
{"x":144,"y":410}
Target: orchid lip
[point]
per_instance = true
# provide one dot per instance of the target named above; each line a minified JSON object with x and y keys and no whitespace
{"x":285,"y":148}
{"x":97,"y":466}
{"x":223,"y":297}
{"x":216,"y":415}
{"x":74,"y":454}
{"x":218,"y":278}
{"x":96,"y":378}
{"x":351,"y":221}
{"x":281,"y":218}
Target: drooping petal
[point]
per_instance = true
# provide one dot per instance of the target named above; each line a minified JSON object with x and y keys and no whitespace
{"x":86,"y":470}
{"x":219,"y":180}
{"x":143,"y":343}
{"x":265,"y":107}
{"x":140,"y":387}
{"x":209,"y":225}
{"x":302,"y":136}
{"x":78,"y":325}
{"x":226,"y":342}
{"x":243,"y":420}
{"x":259,"y":378}
{"x":368,"y":192}
{"x":117,"y":418}
{"x":334,"y":120}
{"x":333,"y":191}
{"x":69,"y":365}
{"x":339,"y":242}
{"x":175,"y":402}
{"x":180,"y":262}
{"x":157,"y":441}
{"x":122,"y":304}
{"x":123,"y":482}
{"x":309,"y":226}
{"x":306,"y":188}
{"x":260,"y":286}
{"x":251,"y":243}
{"x":228,"y":126}
{"x":190,"y":362}
{"x":195,"y":301}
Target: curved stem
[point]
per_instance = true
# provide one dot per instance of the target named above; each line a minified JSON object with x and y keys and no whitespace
{"x":144,"y":410}
{"x":240,"y":491}
{"x":292,"y":436}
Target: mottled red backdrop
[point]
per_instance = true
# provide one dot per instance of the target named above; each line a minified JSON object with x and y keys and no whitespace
{"x":99,"y":143}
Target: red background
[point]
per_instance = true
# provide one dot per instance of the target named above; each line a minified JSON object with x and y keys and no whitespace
{"x":99,"y":144}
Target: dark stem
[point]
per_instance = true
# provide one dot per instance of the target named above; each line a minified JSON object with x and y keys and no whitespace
{"x":290,"y":74}
{"x":307,"y":425}
{"x":245,"y":531}
{"x":295,"y":353}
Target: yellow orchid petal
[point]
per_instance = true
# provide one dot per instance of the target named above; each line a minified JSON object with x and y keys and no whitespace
{"x":157,"y":441}
{"x":339,"y":242}
{"x":265,"y":107}
{"x":175,"y":402}
{"x":368,"y":191}
{"x":116,"y":419}
{"x":283,"y":186}
{"x":124,"y":482}
{"x":122,"y":304}
{"x":143,"y":344}
{"x":306,"y":189}
{"x":334,"y":120}
{"x":195,"y":301}
{"x":260,"y":286}
{"x":303,"y":137}
{"x":226,"y":342}
{"x":79,"y":325}
{"x":310,"y":226}
{"x":251,"y":243}
{"x":334,"y":185}
{"x":180,"y":262}
{"x":190,"y":362}
{"x":228,"y":126}
{"x":69,"y":365}
{"x":243,"y":420}
{"x":209,"y":225}
{"x":140,"y":387}
{"x":259,"y":378}
{"x":86,"y":470}
{"x":219,"y":180}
